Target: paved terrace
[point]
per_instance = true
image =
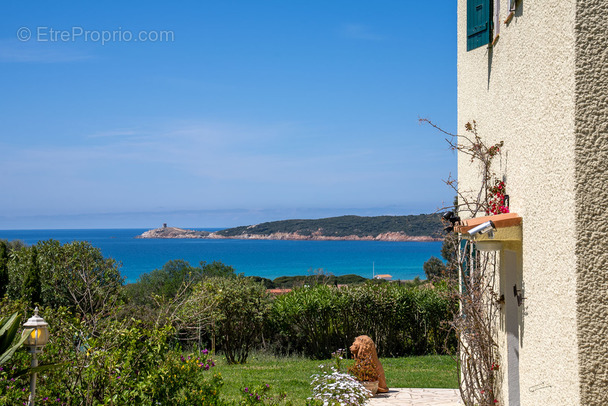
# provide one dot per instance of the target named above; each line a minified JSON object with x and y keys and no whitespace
{"x":417,"y":397}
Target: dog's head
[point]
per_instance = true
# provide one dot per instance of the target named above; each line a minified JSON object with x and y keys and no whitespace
{"x":363,"y":345}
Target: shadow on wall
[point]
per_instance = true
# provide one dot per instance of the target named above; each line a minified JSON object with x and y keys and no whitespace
{"x":519,"y":11}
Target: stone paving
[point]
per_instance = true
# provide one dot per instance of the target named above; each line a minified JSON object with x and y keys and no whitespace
{"x":417,"y":397}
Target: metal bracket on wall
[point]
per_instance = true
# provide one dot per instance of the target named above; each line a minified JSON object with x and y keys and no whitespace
{"x":518,"y":293}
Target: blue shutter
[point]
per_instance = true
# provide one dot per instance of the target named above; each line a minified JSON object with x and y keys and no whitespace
{"x":478,"y":23}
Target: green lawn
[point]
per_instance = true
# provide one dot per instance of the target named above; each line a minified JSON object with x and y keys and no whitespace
{"x":292,"y":374}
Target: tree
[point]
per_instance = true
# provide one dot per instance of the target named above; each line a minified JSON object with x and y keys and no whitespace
{"x":217,"y":269}
{"x":237,"y":307}
{"x":32,"y":287}
{"x":449,"y":253}
{"x":434,"y":268}
{"x":168,"y":282}
{"x":268,"y":283}
{"x":78,"y":276}
{"x":3,"y":268}
{"x":164,"y":282}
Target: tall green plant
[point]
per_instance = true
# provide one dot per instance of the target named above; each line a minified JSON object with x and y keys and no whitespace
{"x":310,"y":320}
{"x":8,"y":330}
{"x":3,"y":268}
{"x":401,"y":320}
{"x":32,"y":286}
{"x":237,"y":308}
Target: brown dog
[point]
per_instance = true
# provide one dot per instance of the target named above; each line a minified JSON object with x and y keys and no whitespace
{"x":364,"y":347}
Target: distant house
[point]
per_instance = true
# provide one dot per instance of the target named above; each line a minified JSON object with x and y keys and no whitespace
{"x":386,"y":277}
{"x":534,"y":74}
{"x":277,"y":292}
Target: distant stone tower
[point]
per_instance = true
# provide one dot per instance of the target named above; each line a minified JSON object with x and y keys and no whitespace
{"x":164,"y":225}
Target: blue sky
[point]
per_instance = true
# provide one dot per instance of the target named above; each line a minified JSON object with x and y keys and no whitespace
{"x":231,"y":113}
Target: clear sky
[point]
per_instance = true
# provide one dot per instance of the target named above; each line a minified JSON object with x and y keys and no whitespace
{"x":223,"y":113}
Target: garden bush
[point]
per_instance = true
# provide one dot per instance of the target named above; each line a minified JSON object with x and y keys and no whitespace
{"x":122,"y":364}
{"x":237,"y":308}
{"x":401,"y":320}
{"x":74,"y":275}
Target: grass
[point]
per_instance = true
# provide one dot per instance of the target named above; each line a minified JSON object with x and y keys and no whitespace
{"x":429,"y":371}
{"x":292,"y":374}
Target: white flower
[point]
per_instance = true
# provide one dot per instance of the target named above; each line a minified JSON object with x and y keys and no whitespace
{"x":335,"y":388}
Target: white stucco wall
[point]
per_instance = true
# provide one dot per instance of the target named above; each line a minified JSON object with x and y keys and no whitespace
{"x":523,"y":93}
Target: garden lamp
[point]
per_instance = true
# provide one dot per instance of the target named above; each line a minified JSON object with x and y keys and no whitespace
{"x":36,"y":339}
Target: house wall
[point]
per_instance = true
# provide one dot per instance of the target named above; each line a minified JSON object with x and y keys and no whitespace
{"x":591,"y":123}
{"x":522,"y":91}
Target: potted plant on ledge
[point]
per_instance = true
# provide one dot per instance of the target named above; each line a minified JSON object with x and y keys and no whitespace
{"x":366,"y":373}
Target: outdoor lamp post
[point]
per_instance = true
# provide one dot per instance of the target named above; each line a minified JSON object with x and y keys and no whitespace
{"x":37,"y":338}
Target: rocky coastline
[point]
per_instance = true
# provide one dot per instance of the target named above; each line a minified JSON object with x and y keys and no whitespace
{"x":174,"y":232}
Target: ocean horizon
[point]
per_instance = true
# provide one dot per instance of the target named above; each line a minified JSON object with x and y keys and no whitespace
{"x":265,"y":258}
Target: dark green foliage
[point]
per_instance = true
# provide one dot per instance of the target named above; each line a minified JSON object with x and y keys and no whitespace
{"x":449,"y":252}
{"x":268,"y":284}
{"x":3,"y":268}
{"x":401,"y":320}
{"x":14,"y":245}
{"x":173,"y":276}
{"x":79,"y":277}
{"x":75,"y":275}
{"x":285,"y":282}
{"x":350,"y":279}
{"x":217,"y":269}
{"x":32,"y":287}
{"x":434,"y":268}
{"x":238,"y":308}
{"x":413,"y":283}
{"x":164,"y":282}
{"x":415,"y":225}
{"x":123,"y":363}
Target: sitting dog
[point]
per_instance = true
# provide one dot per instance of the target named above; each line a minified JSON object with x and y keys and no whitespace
{"x":363,"y":347}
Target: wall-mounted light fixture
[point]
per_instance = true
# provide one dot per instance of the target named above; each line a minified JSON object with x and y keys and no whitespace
{"x":484,"y":228}
{"x":452,"y":219}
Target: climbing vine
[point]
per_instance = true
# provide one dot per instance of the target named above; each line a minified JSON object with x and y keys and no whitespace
{"x":476,"y":325}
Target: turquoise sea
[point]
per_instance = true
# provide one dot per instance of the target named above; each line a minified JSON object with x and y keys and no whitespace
{"x":266,"y":258}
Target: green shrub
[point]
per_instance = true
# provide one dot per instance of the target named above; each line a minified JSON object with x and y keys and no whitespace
{"x":121,"y":364}
{"x":237,"y":309}
{"x":3,"y":268}
{"x":171,"y":278}
{"x":401,"y":320}
{"x":309,"y":320}
{"x":74,"y":275}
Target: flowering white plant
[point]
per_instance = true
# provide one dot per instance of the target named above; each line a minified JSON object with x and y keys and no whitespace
{"x":332,"y":387}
